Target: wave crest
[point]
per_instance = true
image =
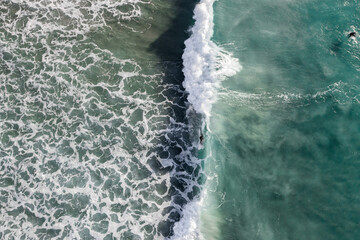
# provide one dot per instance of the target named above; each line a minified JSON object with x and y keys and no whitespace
{"x":205,"y":63}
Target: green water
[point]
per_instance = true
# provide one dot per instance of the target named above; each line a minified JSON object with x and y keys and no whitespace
{"x":92,"y":119}
{"x":284,"y":139}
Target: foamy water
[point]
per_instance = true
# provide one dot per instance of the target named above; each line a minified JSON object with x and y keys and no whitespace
{"x":205,"y":63}
{"x":99,"y":140}
{"x":89,"y":139}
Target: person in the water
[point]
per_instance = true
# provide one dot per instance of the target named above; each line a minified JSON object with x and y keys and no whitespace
{"x":352,"y":34}
{"x":201,"y":139}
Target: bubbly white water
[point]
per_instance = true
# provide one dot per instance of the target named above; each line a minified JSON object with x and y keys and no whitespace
{"x":205,"y":63}
{"x":187,"y":227}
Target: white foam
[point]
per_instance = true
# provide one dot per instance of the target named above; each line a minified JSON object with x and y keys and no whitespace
{"x":205,"y":63}
{"x":187,"y":227}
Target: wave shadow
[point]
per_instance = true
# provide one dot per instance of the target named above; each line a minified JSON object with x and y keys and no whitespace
{"x":176,"y":144}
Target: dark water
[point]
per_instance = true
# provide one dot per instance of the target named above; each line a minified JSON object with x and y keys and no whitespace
{"x":94,"y":143}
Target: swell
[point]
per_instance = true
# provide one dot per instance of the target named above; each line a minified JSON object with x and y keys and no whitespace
{"x":205,"y":65}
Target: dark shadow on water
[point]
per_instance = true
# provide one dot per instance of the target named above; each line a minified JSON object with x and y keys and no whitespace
{"x":169,"y":48}
{"x":170,"y":45}
{"x":336,"y":46}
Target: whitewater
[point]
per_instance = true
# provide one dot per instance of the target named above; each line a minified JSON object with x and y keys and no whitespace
{"x":205,"y":65}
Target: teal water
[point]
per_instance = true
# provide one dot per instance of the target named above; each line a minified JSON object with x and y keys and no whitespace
{"x":284,"y":139}
{"x":102,"y":105}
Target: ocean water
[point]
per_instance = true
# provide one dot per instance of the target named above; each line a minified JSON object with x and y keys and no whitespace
{"x":94,"y":142}
{"x":103,"y":105}
{"x":283,"y":136}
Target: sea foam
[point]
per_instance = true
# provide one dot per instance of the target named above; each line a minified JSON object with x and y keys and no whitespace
{"x":205,"y":66}
{"x":80,"y":127}
{"x":205,"y":63}
{"x":187,"y":228}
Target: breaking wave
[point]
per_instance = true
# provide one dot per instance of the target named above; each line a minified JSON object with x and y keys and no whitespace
{"x":205,"y":63}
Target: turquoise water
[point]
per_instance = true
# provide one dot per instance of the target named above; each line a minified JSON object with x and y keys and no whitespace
{"x":284,"y":137}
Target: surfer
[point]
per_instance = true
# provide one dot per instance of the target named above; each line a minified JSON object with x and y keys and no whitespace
{"x":352,"y":35}
{"x":201,"y":139}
